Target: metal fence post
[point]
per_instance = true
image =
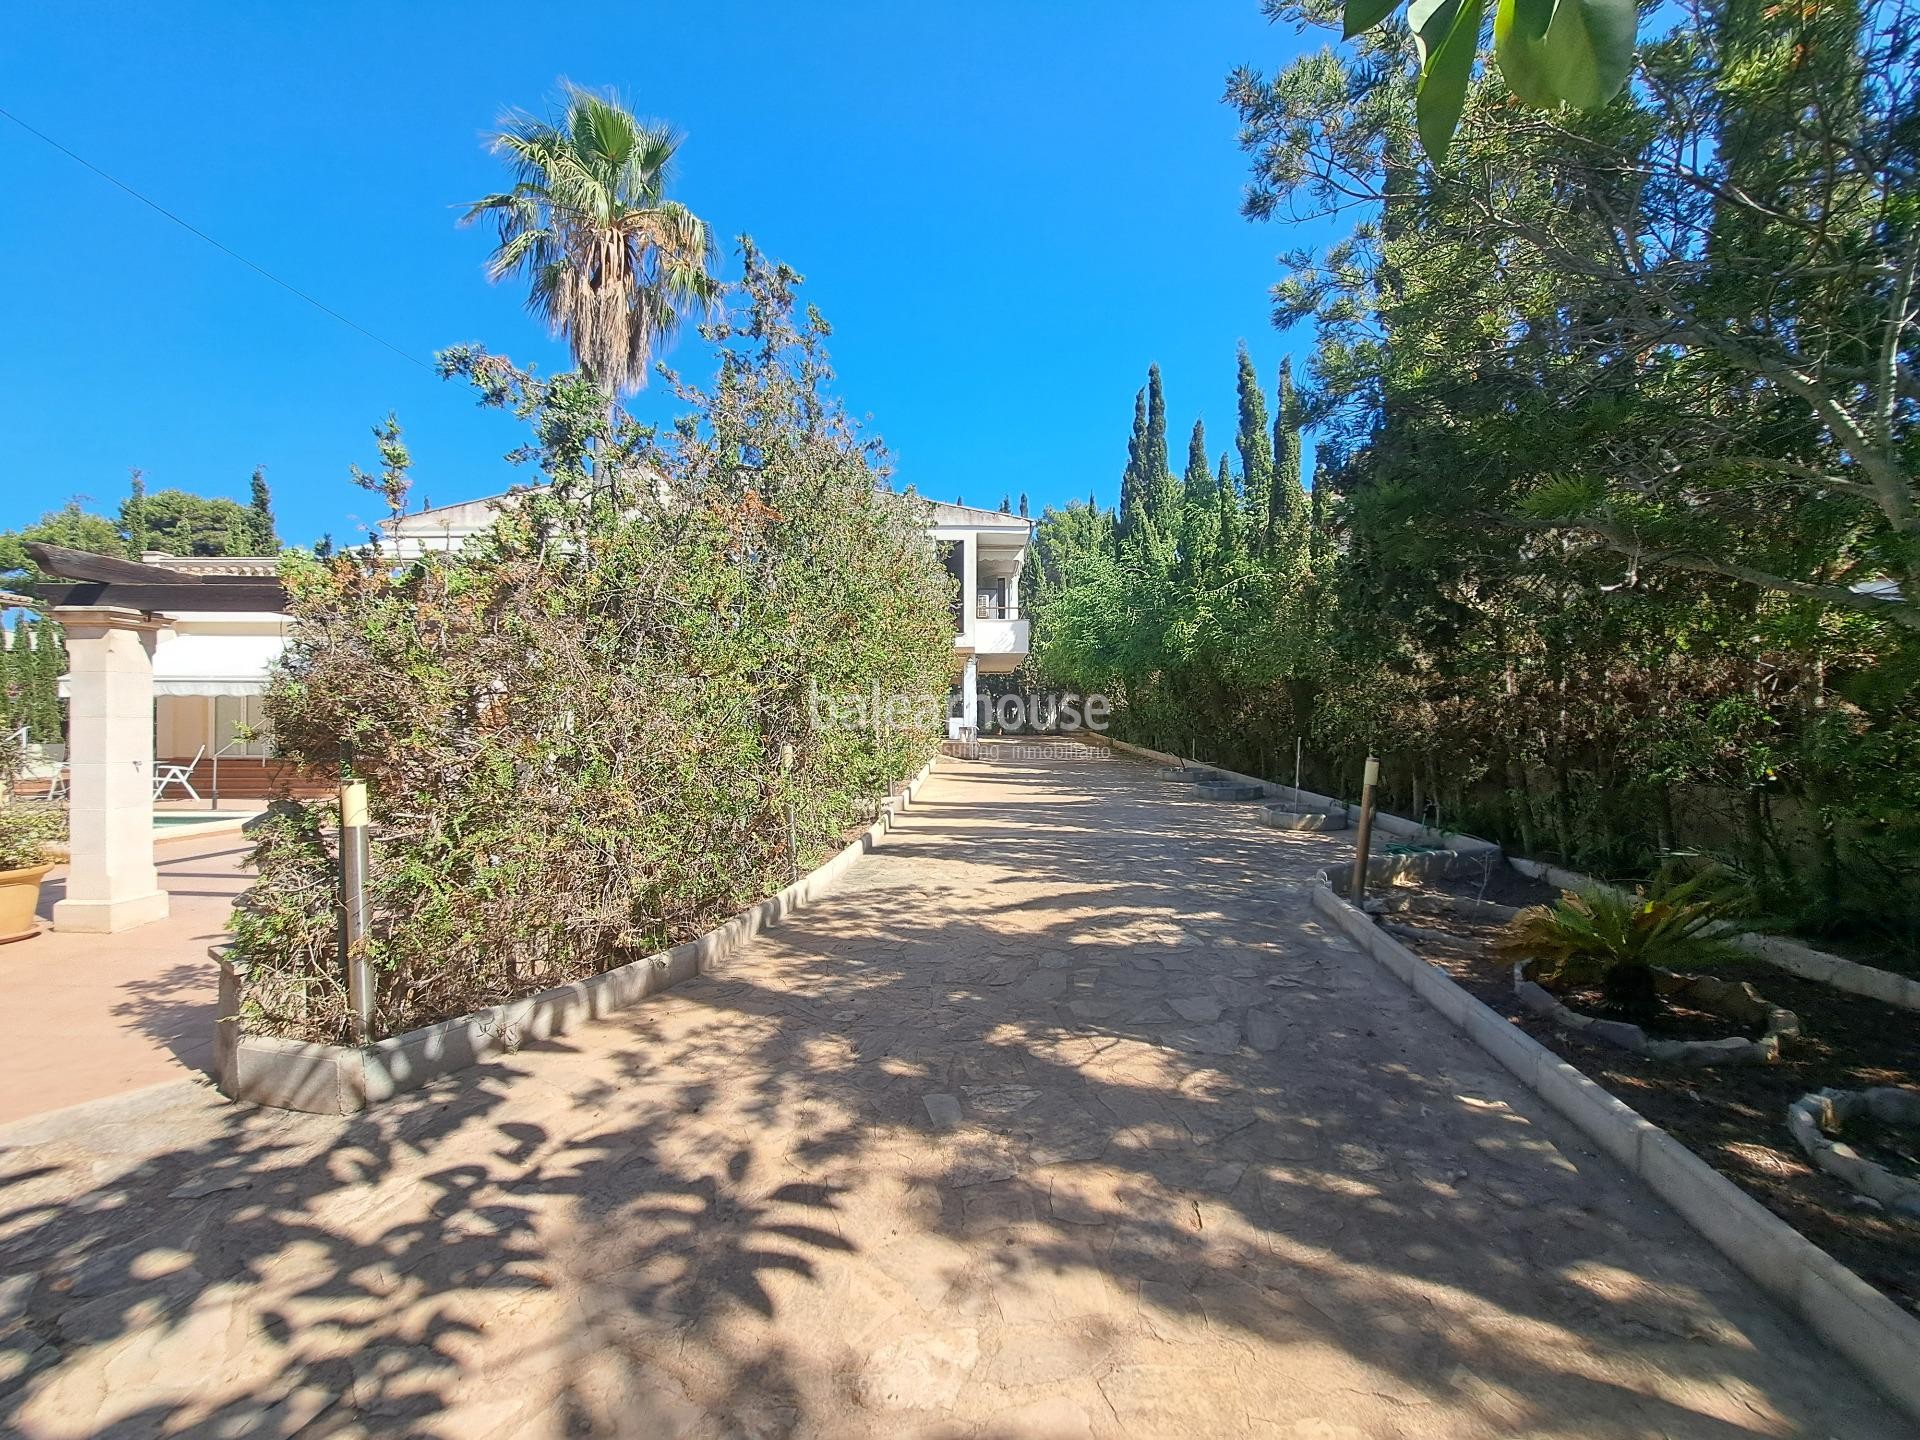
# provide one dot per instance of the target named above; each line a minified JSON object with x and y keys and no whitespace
{"x":353,"y":895}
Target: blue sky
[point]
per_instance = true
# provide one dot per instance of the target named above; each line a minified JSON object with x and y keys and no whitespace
{"x":1006,"y":210}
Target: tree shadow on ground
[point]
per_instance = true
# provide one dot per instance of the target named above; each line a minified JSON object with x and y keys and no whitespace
{"x":1211,"y":1172}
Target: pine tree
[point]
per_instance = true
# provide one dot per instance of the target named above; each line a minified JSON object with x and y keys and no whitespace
{"x":265,"y":538}
{"x":1256,"y":456}
{"x":1288,"y":526}
{"x":1006,"y":504}
{"x":137,"y":513}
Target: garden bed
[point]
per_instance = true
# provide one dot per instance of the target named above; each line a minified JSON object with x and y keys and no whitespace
{"x":1733,"y":1117}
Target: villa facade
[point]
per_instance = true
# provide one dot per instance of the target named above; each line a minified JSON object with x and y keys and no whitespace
{"x":210,"y":668}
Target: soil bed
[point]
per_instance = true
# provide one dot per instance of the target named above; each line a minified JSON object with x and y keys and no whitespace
{"x":1733,"y":1116}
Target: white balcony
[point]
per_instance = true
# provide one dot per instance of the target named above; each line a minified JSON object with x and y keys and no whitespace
{"x":999,"y":645}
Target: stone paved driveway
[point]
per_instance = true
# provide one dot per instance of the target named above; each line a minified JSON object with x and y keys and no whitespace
{"x":1063,"y":1117}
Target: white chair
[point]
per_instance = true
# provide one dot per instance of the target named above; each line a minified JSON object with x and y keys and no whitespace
{"x":60,"y":787}
{"x":181,"y":775}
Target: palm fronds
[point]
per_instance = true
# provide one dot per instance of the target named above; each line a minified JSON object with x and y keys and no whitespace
{"x":612,"y":264}
{"x":1675,"y":923}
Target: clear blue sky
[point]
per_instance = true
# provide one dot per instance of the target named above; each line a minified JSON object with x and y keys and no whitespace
{"x":1005,"y":209}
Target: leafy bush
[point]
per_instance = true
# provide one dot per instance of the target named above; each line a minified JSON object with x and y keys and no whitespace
{"x":29,"y":831}
{"x":572,"y":728}
{"x":1606,"y":937}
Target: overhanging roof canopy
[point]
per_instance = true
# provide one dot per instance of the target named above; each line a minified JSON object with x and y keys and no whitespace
{"x":214,"y":664}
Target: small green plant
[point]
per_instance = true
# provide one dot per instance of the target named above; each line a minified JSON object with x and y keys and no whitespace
{"x":29,"y":830}
{"x":1607,"y":937}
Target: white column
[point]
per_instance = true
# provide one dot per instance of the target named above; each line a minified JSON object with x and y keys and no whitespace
{"x":970,"y":693}
{"x":970,"y":593}
{"x":111,"y":882}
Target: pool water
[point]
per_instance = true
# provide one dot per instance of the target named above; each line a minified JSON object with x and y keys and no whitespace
{"x":196,"y":817}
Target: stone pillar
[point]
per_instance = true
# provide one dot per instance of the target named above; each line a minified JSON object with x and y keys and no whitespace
{"x":111,"y":882}
{"x":970,"y":694}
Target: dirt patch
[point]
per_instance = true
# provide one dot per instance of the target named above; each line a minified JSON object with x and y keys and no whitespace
{"x":1498,"y":882}
{"x":1732,"y":1116}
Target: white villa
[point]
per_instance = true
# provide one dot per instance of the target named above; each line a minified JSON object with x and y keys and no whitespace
{"x":154,"y":692}
{"x":210,"y":668}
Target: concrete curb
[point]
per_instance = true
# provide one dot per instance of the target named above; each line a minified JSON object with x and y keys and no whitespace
{"x":176,"y":834}
{"x":345,"y":1079}
{"x":102,"y":1111}
{"x":1841,"y":1308}
{"x":1788,"y":955}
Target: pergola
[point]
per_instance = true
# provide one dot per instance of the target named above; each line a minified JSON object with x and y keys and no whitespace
{"x":111,"y":611}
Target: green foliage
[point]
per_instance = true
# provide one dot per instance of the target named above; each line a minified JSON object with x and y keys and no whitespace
{"x":1256,"y":455}
{"x":264,"y":535}
{"x":611,"y":263}
{"x":1610,"y":551}
{"x":572,"y":727}
{"x":1551,"y":52}
{"x":1590,"y":937}
{"x":181,"y":523}
{"x":30,"y":831}
{"x":44,"y":714}
{"x":134,"y":514}
{"x":71,"y":526}
{"x":1176,"y":617}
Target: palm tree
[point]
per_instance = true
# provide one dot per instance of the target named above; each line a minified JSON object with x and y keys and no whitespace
{"x":614,"y":266}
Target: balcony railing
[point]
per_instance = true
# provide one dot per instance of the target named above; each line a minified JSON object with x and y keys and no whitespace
{"x":995,"y":610}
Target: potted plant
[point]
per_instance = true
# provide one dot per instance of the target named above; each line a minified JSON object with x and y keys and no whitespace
{"x":30,"y":833}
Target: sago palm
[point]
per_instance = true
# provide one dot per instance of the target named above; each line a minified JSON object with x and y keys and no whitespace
{"x":612,"y":264}
{"x":1607,"y":936}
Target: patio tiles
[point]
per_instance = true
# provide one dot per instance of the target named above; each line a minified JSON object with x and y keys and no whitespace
{"x":1191,"y":1166}
{"x":98,"y":1015}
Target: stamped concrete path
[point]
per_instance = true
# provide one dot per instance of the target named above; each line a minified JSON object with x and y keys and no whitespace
{"x":1062,"y":1117}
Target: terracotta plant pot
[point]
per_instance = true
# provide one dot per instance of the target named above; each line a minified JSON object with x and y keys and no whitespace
{"x":19,"y":898}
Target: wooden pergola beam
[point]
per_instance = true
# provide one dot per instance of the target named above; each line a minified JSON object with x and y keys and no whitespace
{"x":252,"y":593}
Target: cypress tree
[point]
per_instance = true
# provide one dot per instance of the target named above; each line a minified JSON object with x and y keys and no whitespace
{"x":1231,"y":542}
{"x":49,"y":664}
{"x":1131,"y":479}
{"x":1161,"y":494}
{"x":1006,"y":504}
{"x":1319,"y":547}
{"x":1023,"y":505}
{"x":1256,"y":456}
{"x":1200,"y":509}
{"x":9,"y":706}
{"x":137,"y":513}
{"x":1288,"y":527}
{"x":264,"y":537}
